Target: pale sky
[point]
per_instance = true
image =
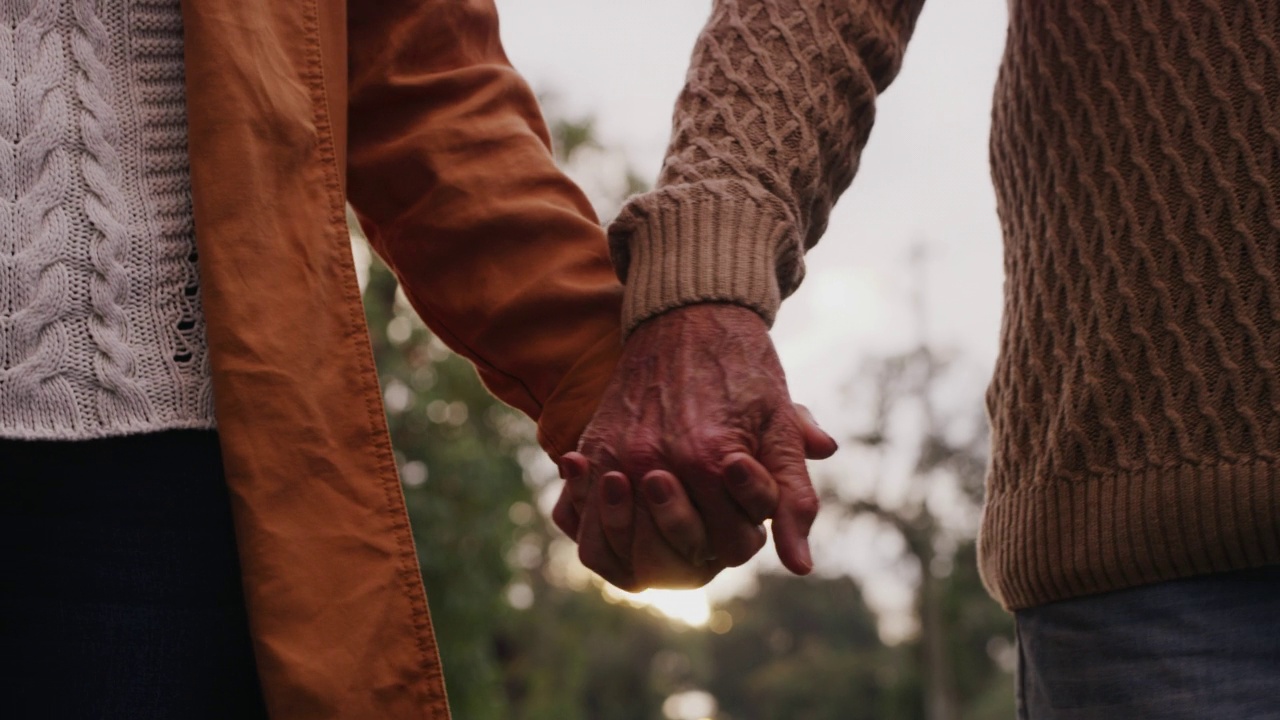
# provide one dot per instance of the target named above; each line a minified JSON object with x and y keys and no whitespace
{"x":924,"y":176}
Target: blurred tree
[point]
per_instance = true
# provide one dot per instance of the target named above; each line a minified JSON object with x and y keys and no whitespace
{"x":515,"y":643}
{"x":524,"y":638}
{"x":963,"y":635}
{"x":457,"y":451}
{"x":574,"y":656}
{"x":605,"y":175}
{"x":803,"y":648}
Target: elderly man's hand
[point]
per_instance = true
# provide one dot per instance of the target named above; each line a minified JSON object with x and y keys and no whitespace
{"x":695,"y":444}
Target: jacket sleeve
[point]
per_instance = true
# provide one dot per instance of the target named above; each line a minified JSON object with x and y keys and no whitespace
{"x":778,"y":103}
{"x":451,"y":174}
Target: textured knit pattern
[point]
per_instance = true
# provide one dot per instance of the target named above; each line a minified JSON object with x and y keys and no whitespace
{"x":1136,"y":154}
{"x":101,"y":331}
{"x":779,"y":101}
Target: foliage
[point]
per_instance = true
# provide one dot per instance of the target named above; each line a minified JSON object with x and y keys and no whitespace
{"x":804,"y":648}
{"x":524,"y":638}
{"x":457,"y":456}
{"x":961,"y":647}
{"x":569,"y":654}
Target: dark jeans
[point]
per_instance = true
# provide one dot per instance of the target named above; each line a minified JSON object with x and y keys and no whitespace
{"x":1198,"y":649}
{"x":121,"y":593}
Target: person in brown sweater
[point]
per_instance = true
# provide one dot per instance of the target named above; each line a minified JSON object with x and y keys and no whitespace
{"x":1132,"y":516}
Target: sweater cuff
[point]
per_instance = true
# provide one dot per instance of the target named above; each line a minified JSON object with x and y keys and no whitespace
{"x":681,"y":246}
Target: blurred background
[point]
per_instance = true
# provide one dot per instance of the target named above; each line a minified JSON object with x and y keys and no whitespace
{"x":890,"y":341}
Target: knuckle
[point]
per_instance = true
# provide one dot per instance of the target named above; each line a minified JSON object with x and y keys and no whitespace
{"x":803,"y":411}
{"x":784,"y":427}
{"x":598,"y":449}
{"x":805,"y":506}
{"x":594,"y":435}
{"x":785,"y":460}
{"x":642,"y":448}
{"x":706,"y":446}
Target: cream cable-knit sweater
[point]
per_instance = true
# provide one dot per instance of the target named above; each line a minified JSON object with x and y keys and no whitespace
{"x":1135,"y":148}
{"x":101,"y":331}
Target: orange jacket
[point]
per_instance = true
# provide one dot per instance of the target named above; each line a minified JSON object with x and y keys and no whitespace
{"x":409,"y":109}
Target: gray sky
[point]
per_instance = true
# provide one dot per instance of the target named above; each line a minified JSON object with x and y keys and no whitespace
{"x":924,"y":178}
{"x":924,"y":175}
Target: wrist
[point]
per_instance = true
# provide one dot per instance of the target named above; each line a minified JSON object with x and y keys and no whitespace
{"x":711,"y":318}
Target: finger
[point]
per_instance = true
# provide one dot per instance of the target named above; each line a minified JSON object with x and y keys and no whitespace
{"x":565,"y":515}
{"x":617,"y":513}
{"x":673,"y":516}
{"x":732,"y":537}
{"x":751,"y":486}
{"x":658,"y":565}
{"x":595,"y":553}
{"x":574,"y":468}
{"x":749,"y":540}
{"x":796,"y":513}
{"x":818,"y":445}
{"x":782,"y":455}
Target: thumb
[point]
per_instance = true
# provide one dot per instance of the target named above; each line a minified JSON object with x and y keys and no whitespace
{"x":818,"y":445}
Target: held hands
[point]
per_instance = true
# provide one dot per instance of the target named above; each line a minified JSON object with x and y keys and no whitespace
{"x":695,"y":444}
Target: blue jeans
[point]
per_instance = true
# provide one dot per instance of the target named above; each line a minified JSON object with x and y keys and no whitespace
{"x":1197,"y":649}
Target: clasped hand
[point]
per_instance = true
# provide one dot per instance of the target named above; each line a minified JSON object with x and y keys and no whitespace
{"x":696,"y":443}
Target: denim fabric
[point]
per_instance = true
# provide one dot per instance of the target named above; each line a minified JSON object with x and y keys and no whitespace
{"x":1197,"y":649}
{"x":121,"y":595}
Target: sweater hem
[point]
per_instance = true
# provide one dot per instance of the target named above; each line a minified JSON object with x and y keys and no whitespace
{"x":1046,"y":541}
{"x":98,"y":433}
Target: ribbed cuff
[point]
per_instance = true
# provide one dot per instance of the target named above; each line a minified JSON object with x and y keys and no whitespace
{"x":686,"y":245}
{"x":1057,"y":540}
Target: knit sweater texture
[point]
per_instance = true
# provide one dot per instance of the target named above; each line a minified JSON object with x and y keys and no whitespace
{"x":1135,"y":149}
{"x":101,"y":331}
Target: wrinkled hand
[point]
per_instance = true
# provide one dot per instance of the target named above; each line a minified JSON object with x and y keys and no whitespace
{"x":695,"y":444}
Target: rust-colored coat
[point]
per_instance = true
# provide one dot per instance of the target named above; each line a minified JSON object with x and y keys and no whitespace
{"x":410,"y":109}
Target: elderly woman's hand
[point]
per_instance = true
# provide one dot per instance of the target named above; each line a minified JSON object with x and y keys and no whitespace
{"x":696,"y":443}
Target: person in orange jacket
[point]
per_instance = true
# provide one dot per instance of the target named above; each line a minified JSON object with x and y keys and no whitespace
{"x":202,"y":516}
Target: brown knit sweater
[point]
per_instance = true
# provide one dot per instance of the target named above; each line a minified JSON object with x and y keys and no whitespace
{"x":1135,"y":407}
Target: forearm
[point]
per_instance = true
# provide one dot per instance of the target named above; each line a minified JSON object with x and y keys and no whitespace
{"x":450,"y":169}
{"x":778,"y":103}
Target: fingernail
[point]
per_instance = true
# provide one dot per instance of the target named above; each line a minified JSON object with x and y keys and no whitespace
{"x":806,"y":558}
{"x":737,"y":474}
{"x":808,"y":415}
{"x":657,"y":491}
{"x":825,"y":434}
{"x":615,"y":488}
